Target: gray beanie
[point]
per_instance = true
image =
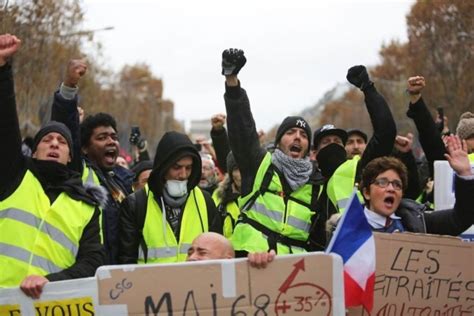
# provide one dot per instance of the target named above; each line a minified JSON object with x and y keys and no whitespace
{"x":465,"y":127}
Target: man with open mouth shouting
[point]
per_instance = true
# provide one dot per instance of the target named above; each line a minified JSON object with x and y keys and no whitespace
{"x":96,"y":148}
{"x":49,"y":223}
{"x":278,"y":194}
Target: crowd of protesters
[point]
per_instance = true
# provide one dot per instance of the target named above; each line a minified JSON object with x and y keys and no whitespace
{"x":73,"y":203}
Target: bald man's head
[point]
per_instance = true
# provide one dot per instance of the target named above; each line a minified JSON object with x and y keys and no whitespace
{"x":209,"y":246}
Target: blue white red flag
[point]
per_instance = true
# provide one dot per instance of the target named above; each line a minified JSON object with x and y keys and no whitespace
{"x":354,"y":242}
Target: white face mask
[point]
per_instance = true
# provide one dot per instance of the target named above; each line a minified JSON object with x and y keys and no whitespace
{"x":177,"y":188}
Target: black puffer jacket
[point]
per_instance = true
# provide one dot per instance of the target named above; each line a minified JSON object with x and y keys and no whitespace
{"x":172,"y":147}
{"x":452,"y":222}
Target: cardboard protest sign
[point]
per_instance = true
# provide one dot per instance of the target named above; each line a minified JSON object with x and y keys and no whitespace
{"x":309,"y":284}
{"x":444,"y":185}
{"x":422,"y":275}
{"x":68,"y":298}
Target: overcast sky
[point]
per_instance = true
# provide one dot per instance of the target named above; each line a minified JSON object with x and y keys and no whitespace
{"x":296,"y":50}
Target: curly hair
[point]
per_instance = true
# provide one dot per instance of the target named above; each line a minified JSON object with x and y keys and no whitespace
{"x":93,"y":121}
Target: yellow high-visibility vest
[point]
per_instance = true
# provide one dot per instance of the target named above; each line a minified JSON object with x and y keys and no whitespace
{"x":341,"y":184}
{"x":233,"y":212}
{"x":90,"y":177}
{"x":38,"y":237}
{"x":287,"y":217}
{"x":160,"y":240}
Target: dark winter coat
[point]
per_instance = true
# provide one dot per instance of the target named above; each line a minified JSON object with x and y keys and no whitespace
{"x":452,"y":222}
{"x":54,"y":178}
{"x":172,"y":147}
{"x":65,"y":111}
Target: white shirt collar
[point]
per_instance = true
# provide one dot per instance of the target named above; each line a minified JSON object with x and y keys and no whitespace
{"x":375,"y":220}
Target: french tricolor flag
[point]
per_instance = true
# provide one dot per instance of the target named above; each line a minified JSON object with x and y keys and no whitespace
{"x":354,"y":242}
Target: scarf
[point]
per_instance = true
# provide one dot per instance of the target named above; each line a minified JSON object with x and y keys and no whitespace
{"x":296,"y":171}
{"x":56,"y":178}
{"x":173,"y":201}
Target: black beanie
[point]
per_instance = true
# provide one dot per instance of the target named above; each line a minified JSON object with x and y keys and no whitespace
{"x":51,"y":127}
{"x":290,"y":122}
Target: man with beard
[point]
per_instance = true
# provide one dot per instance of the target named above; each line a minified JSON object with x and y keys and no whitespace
{"x":49,"y":223}
{"x":277,"y":196}
{"x":208,"y":179}
{"x":159,"y":223}
{"x":96,"y":148}
{"x":356,"y":142}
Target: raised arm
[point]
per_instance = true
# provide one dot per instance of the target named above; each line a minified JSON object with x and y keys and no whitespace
{"x":403,"y":145}
{"x":457,"y":156}
{"x":382,"y":141}
{"x":429,"y":135}
{"x":139,"y":145}
{"x":220,"y":140}
{"x":65,"y":109}
{"x":11,"y":159}
{"x":243,"y":137}
{"x":455,"y":221}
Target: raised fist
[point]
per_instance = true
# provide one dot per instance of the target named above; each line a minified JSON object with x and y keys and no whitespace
{"x":76,"y":68}
{"x":233,"y":60}
{"x":404,"y":144}
{"x":218,"y":121}
{"x":415,"y":85}
{"x":9,"y":44}
{"x":358,"y":76}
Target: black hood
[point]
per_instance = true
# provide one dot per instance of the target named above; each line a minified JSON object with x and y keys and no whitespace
{"x":172,"y":147}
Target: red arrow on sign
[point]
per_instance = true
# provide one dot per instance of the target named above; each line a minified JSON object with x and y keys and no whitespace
{"x":298,"y":266}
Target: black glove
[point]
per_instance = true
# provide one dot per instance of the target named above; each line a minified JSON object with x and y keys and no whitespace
{"x":135,"y":135}
{"x":358,"y":76}
{"x":233,"y":60}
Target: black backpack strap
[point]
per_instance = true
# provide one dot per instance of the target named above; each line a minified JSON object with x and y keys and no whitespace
{"x":267,"y":178}
{"x":273,"y":237}
{"x":141,"y":198}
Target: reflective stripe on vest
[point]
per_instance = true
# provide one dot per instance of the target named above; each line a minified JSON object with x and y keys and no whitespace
{"x":88,"y":175}
{"x":36,"y":222}
{"x":290,"y":219}
{"x":165,"y":252}
{"x":341,"y":184}
{"x":38,"y":237}
{"x":277,"y":216}
{"x":162,"y":245}
{"x":21,"y":254}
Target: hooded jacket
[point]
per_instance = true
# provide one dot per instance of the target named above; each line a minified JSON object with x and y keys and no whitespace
{"x":172,"y":147}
